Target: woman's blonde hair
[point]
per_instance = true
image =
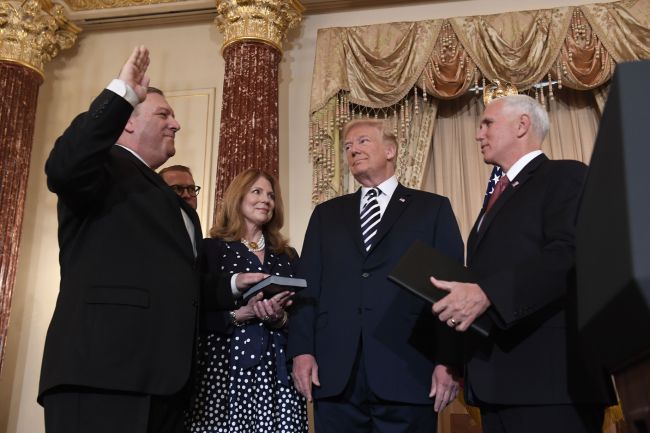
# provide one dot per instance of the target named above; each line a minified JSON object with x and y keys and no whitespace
{"x":230,"y":225}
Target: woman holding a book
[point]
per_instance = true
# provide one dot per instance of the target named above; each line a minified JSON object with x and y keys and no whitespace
{"x":242,"y":376}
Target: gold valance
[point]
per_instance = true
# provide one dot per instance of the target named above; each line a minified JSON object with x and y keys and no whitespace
{"x":379,"y":64}
{"x":389,"y":70}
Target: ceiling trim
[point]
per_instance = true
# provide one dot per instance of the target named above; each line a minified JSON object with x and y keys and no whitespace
{"x":102,"y":14}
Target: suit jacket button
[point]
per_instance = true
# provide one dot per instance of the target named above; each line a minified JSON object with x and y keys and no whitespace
{"x":195,"y":303}
{"x":365,"y":275}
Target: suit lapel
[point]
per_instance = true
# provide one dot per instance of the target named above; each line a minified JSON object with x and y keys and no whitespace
{"x":352,"y":213}
{"x":194,"y":217}
{"x":174,"y":201}
{"x":399,"y":201}
{"x":471,"y":239}
{"x":524,"y":176}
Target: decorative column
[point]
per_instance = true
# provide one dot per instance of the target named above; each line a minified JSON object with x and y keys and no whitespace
{"x":253,"y":33}
{"x":31,"y":34}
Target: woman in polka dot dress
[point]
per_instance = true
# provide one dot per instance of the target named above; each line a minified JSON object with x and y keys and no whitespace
{"x":243,"y":384}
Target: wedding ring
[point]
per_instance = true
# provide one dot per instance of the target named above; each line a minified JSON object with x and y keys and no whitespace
{"x":266,"y":318}
{"x":453,"y":322}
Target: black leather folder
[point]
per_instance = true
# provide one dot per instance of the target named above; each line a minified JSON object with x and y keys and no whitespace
{"x":420,"y":262}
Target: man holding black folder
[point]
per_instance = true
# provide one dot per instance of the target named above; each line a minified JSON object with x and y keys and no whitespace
{"x":527,"y":376}
{"x":377,"y":357}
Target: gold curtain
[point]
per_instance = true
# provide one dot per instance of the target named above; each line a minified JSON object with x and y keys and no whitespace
{"x":378,"y":70}
{"x":455,"y":168}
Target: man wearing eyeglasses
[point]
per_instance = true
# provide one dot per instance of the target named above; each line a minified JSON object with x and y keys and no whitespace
{"x":179,"y":178}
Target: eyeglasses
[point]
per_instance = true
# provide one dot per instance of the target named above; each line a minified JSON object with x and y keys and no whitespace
{"x":192,"y":190}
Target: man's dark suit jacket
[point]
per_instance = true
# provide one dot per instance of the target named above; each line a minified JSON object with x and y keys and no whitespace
{"x":350,"y":302}
{"x":126,"y":314}
{"x":524,"y":257}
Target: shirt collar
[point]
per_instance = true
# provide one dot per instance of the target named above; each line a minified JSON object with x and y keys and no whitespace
{"x":521,"y":163}
{"x":134,"y":153}
{"x":386,"y":187}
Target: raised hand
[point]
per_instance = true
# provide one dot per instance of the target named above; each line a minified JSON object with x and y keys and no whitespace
{"x":133,"y":71}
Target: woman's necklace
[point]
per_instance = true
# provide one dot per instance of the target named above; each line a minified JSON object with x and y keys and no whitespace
{"x":254,"y":247}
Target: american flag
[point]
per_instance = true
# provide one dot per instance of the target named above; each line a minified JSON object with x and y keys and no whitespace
{"x":494,"y":178}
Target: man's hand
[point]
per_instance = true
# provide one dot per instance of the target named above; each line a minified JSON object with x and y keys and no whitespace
{"x":305,"y":373}
{"x":444,"y":387}
{"x":464,"y":303}
{"x":133,"y":71}
{"x":245,"y":280}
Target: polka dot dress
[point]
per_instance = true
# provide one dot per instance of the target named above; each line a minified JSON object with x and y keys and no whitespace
{"x":243,"y":380}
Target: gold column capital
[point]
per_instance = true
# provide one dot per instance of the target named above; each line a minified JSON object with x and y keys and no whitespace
{"x":33,"y":32}
{"x":266,"y":21}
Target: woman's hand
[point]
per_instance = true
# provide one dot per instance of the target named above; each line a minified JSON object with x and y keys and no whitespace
{"x":273,"y":309}
{"x":247,"y":312}
{"x":284,"y":299}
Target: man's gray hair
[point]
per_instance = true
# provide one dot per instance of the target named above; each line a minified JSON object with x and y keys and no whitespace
{"x":527,"y":105}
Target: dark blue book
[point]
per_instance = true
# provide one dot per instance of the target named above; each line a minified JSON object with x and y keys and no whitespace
{"x":273,"y":285}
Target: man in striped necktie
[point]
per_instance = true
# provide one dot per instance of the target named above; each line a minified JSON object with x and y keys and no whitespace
{"x":377,"y":357}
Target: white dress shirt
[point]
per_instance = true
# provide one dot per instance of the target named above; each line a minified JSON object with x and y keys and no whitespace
{"x":387,"y":189}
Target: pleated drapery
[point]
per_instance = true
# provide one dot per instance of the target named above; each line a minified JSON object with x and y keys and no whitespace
{"x":402,"y":71}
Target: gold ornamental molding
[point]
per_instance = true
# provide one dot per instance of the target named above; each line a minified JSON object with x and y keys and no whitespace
{"x":33,"y":32}
{"x":497,"y":89}
{"x":266,"y":21}
{"x":85,"y":5}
